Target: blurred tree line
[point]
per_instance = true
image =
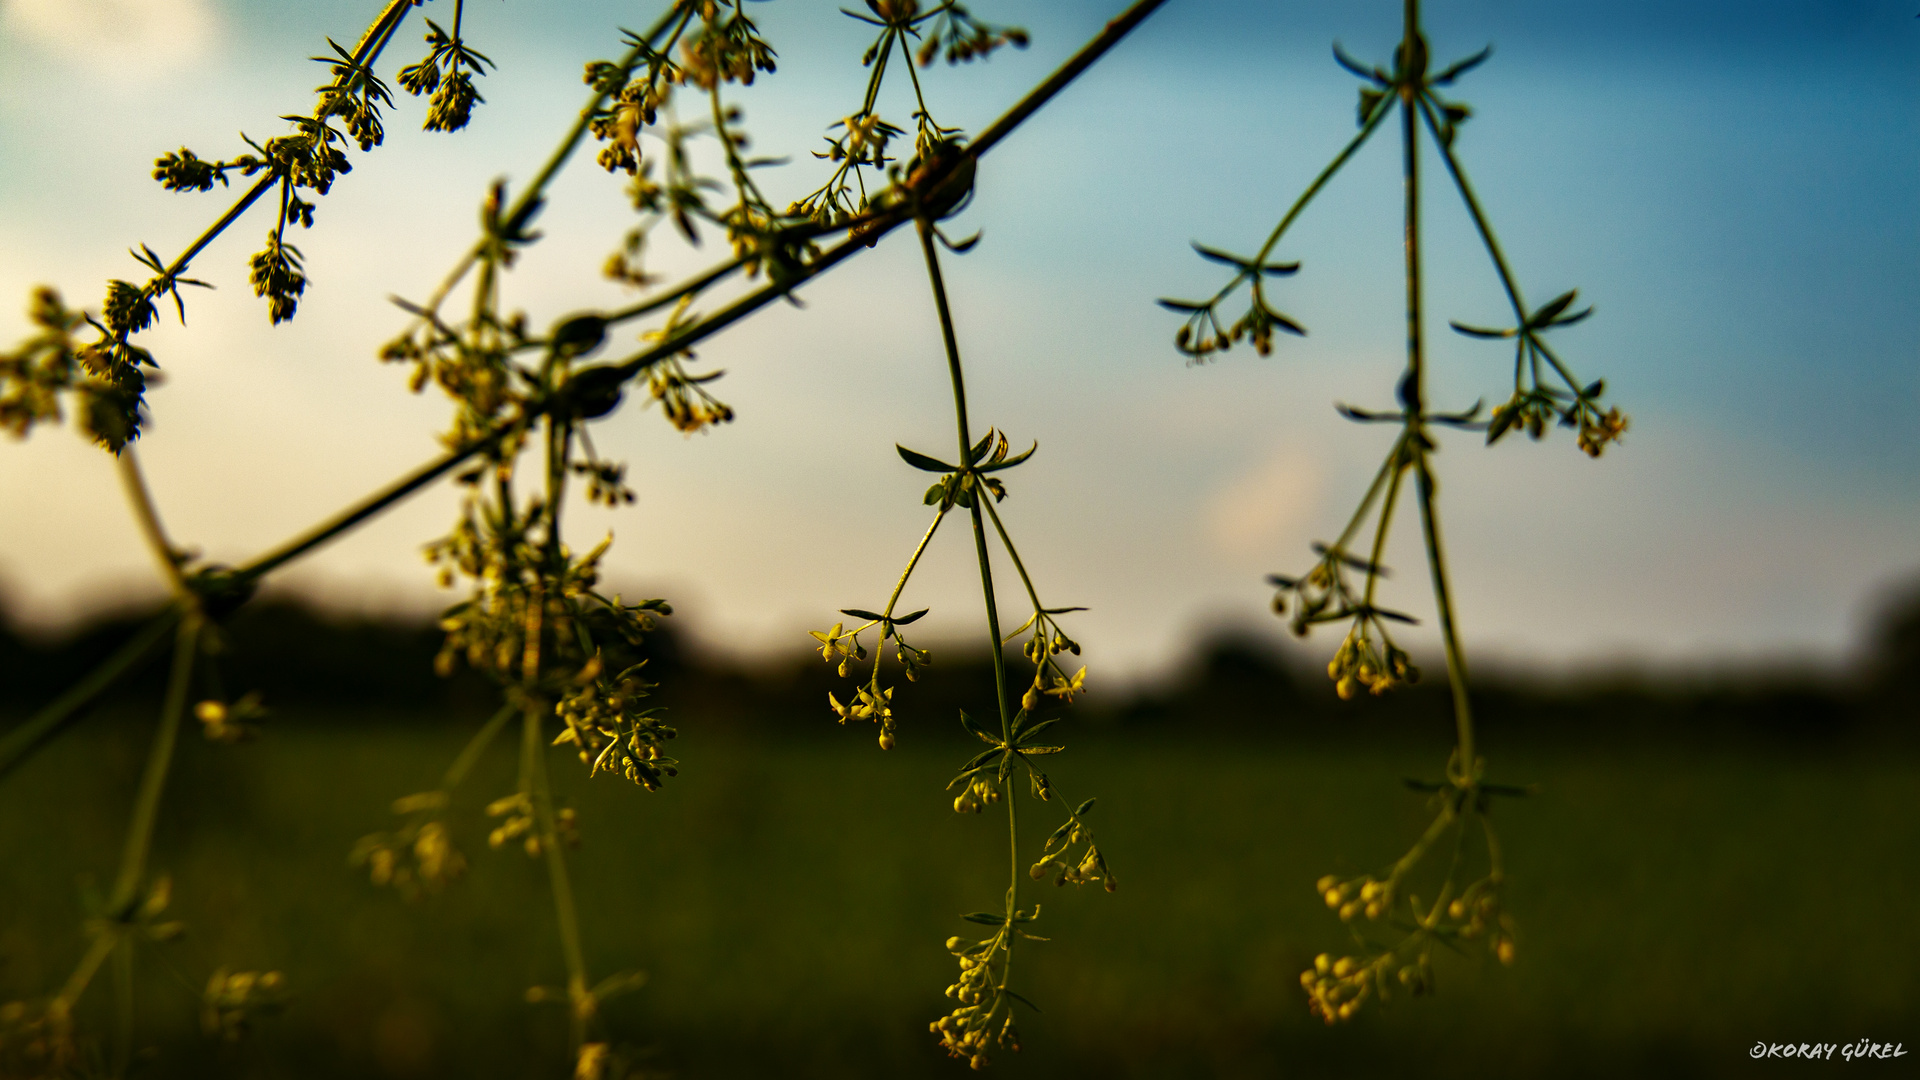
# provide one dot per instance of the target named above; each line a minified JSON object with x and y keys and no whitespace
{"x":1237,"y":683}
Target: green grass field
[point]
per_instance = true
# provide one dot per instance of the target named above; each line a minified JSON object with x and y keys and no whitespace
{"x":788,"y":898}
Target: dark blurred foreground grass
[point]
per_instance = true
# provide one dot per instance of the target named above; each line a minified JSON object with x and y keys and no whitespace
{"x":788,"y":898}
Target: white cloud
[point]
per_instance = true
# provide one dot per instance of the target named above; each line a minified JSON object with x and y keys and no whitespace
{"x":1261,"y":510}
{"x":127,"y":38}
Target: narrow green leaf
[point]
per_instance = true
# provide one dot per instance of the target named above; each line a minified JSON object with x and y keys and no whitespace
{"x":862,"y":613}
{"x":902,"y":620}
{"x":1035,"y":730}
{"x":1015,"y":996}
{"x":1187,"y":306}
{"x":1479,"y":331}
{"x":1544,"y":316}
{"x":921,"y":461}
{"x":1235,"y":261}
{"x":1014,"y":460}
{"x":985,"y":918}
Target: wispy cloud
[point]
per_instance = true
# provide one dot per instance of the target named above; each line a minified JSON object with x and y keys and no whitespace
{"x":126,"y":39}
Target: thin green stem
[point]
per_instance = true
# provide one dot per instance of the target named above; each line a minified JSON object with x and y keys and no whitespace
{"x":153,"y":782}
{"x":1014,"y":554}
{"x":1449,"y":636}
{"x":579,"y":1000}
{"x":476,"y":746}
{"x":43,"y":725}
{"x":111,"y":931}
{"x":1079,"y":62}
{"x":980,"y":494}
{"x":1479,"y":216}
{"x":373,"y":504}
{"x":123,"y":1005}
{"x":1375,"y":560}
{"x":1366,"y":502}
{"x":558,"y":159}
{"x":926,"y":538}
{"x":687,"y":288}
{"x":1326,"y":175}
{"x":148,"y":517}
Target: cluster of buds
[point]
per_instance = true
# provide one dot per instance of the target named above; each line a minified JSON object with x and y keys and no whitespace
{"x":979,"y":795}
{"x":234,"y":1000}
{"x":968,"y":1030}
{"x":635,"y":104}
{"x":684,"y":399}
{"x":419,"y":857}
{"x":612,"y":733}
{"x":729,"y":50}
{"x":1361,"y":896}
{"x":1360,"y":664}
{"x":228,"y":723}
{"x":865,"y":142}
{"x":1203,"y":335}
{"x":869,"y":705}
{"x":962,"y":38}
{"x":1477,"y":913}
{"x":1056,"y":857}
{"x":516,"y":810}
{"x":1599,"y":429}
{"x":35,"y":1041}
{"x":1336,"y":988}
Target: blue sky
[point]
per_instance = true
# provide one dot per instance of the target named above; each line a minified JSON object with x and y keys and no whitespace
{"x":1736,"y":187}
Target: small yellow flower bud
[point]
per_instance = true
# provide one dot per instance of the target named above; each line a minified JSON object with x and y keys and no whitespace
{"x":1323,"y":963}
{"x":953,"y":944}
{"x":1333,"y":898}
{"x":1326,"y":884}
{"x":886,"y":740}
{"x":1343,"y":967}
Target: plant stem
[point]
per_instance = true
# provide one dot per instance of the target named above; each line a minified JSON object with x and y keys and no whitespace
{"x":372,"y":505}
{"x":123,"y":1006}
{"x":979,"y":493}
{"x":476,"y":746}
{"x":148,"y":518}
{"x":534,"y":763}
{"x":1326,"y":174}
{"x":1416,"y":411}
{"x":925,"y":539}
{"x":24,"y":739}
{"x":153,"y":782}
{"x":112,"y":929}
{"x":1442,"y":598}
{"x":1479,"y":216}
{"x":1093,"y":50}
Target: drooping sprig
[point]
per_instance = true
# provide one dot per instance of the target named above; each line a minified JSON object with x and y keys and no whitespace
{"x":981,"y":1018}
{"x":1394,"y":926}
